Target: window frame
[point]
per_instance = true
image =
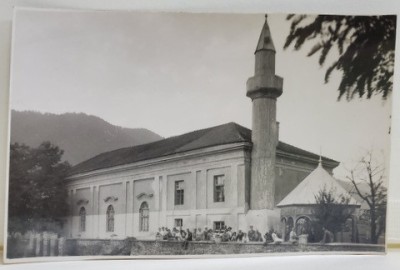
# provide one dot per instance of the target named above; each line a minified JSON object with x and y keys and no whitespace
{"x":110,"y":218}
{"x":218,"y":188}
{"x":179,"y":193}
{"x":178,"y":220}
{"x":82,"y":219}
{"x":144,"y":217}
{"x":220,"y":223}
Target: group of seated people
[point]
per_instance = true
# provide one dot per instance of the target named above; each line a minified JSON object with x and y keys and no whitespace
{"x":225,"y":234}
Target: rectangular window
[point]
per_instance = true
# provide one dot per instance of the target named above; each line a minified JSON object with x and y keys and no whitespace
{"x":219,"y":184}
{"x":219,"y":225}
{"x":178,"y":222}
{"x":179,"y":192}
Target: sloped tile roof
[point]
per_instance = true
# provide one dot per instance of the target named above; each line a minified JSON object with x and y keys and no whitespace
{"x":319,"y":179}
{"x":363,"y":187}
{"x":218,"y":135}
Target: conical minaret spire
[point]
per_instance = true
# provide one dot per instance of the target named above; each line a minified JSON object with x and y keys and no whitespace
{"x":263,"y":89}
{"x":265,"y":40}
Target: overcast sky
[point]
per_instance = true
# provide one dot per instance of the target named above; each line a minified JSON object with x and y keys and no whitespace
{"x":174,"y":73}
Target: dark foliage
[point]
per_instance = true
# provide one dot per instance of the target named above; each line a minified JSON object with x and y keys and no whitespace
{"x":365,"y":45}
{"x":331,"y":211}
{"x":37,"y":192}
{"x":368,"y":172}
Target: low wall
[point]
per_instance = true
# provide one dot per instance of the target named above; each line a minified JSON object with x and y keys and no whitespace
{"x":35,"y":245}
{"x":93,"y":247}
{"x":150,"y":247}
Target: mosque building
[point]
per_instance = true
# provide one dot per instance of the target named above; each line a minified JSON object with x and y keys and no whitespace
{"x":223,"y":175}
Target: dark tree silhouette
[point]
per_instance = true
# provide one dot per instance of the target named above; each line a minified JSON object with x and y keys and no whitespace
{"x":369,"y":173}
{"x":37,"y":192}
{"x":365,"y":47}
{"x":331,"y":211}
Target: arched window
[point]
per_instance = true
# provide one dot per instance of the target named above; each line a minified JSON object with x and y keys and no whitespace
{"x":144,"y":217}
{"x":284,"y":229}
{"x":289,"y":224}
{"x":110,"y":218}
{"x":82,"y":219}
{"x":303,"y":226}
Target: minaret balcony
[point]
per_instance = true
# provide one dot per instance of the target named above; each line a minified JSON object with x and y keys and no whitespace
{"x":264,"y":86}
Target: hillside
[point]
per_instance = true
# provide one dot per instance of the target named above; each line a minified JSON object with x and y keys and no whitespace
{"x":81,"y":136}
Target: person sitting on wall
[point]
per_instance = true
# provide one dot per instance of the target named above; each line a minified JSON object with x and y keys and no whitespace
{"x":276,"y":239}
{"x":327,"y":236}
{"x":254,"y":237}
{"x":293,"y":238}
{"x":168,"y":235}
{"x":216,"y":236}
{"x":251,"y":234}
{"x":245,"y":238}
{"x":194,"y":234}
{"x":158,"y":235}
{"x":163,"y":232}
{"x":226,"y":236}
{"x":178,"y":236}
{"x":239,"y":236}
{"x":258,"y":236}
{"x":183,"y":235}
{"x":199,"y":235}
{"x":204,"y":236}
{"x":189,"y":235}
{"x":311,"y":236}
{"x":210,"y":235}
{"x":229,"y":231}
{"x":175,"y":233}
{"x":268,"y":237}
{"x":233,"y":237}
{"x":189,"y":238}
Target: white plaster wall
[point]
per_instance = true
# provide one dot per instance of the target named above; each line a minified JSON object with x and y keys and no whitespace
{"x":230,"y":187}
{"x":189,"y":187}
{"x":116,"y":191}
{"x":145,"y":187}
{"x":82,"y":194}
{"x":155,"y":184}
{"x":186,"y":220}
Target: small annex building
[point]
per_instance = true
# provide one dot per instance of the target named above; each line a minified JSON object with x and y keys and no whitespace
{"x":297,"y":208}
{"x":225,"y":175}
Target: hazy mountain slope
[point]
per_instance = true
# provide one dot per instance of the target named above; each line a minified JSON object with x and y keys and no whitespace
{"x":81,"y":136}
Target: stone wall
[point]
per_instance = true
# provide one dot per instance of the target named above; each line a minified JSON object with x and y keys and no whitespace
{"x":133,"y":247}
{"x":95,"y":247}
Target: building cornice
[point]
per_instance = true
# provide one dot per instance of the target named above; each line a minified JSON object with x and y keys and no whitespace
{"x":311,"y":205}
{"x":220,"y":149}
{"x":326,"y":163}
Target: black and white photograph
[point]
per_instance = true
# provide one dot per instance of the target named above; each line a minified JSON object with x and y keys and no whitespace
{"x":160,"y":134}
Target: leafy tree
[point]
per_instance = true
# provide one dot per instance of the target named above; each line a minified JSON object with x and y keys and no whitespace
{"x":371,"y":174}
{"x":365,"y":46}
{"x":331,"y":210}
{"x":37,"y":192}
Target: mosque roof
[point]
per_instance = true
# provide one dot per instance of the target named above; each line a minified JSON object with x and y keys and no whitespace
{"x":306,"y":191}
{"x":213,"y":136}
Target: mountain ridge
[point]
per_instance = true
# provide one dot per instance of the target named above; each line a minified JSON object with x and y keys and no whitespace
{"x":80,"y":135}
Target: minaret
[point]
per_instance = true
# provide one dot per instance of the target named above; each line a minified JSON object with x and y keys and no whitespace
{"x":263,"y":89}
